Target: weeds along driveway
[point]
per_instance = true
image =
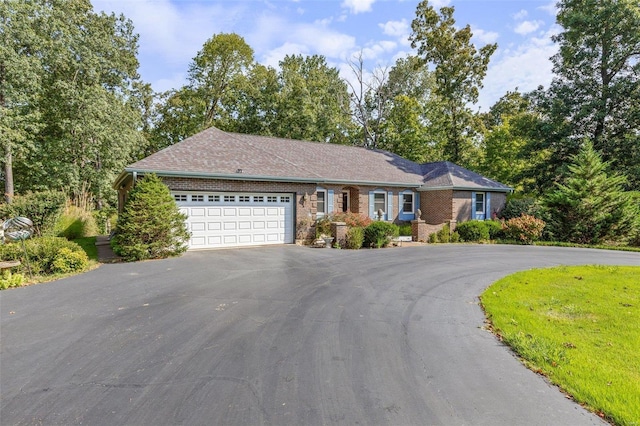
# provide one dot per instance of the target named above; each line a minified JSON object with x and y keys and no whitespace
{"x":278,"y":336}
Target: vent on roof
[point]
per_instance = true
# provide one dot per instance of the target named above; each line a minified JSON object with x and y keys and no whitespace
{"x":238,"y":170}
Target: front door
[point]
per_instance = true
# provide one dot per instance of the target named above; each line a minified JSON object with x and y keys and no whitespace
{"x":345,"y":201}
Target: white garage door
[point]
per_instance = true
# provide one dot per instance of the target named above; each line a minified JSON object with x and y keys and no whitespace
{"x":225,"y":219}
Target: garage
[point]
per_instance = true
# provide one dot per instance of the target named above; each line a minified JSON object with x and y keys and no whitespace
{"x":223,"y":219}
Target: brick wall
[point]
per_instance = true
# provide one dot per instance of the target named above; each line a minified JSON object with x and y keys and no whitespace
{"x":462,"y":206}
{"x":436,"y":206}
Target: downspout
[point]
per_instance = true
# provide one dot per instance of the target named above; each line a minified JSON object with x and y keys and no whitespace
{"x":135,"y":178}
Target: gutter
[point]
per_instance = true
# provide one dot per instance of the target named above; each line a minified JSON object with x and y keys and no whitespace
{"x":259,"y":178}
{"x":466,"y":188}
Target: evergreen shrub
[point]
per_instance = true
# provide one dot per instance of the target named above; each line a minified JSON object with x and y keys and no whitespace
{"x":355,"y":238}
{"x":379,"y":233}
{"x":473,"y":230}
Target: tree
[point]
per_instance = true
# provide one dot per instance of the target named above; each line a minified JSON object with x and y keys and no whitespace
{"x":312,"y":101}
{"x":459,"y":69}
{"x":84,"y":66}
{"x":598,"y":78}
{"x":20,"y":84}
{"x":590,"y":206}
{"x":150,"y":225}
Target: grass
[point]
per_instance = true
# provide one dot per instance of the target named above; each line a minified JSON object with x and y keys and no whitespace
{"x":595,"y":246}
{"x":88,"y":244}
{"x":579,"y":326}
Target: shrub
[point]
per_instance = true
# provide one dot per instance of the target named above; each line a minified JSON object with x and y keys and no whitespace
{"x":43,"y":208}
{"x":352,"y":219}
{"x":525,"y":229}
{"x":42,"y":253}
{"x":76,"y":223}
{"x":68,"y":261}
{"x":323,"y":226}
{"x":150,"y":225}
{"x":355,"y":238}
{"x":455,"y":237}
{"x":9,"y":280}
{"x":516,"y":206}
{"x":444,"y":235}
{"x":495,"y":229}
{"x":405,"y":229}
{"x":379,"y":233}
{"x":473,"y":230}
{"x":433,"y":238}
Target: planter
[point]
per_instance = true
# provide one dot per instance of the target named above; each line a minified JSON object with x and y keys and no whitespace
{"x":328,"y":241}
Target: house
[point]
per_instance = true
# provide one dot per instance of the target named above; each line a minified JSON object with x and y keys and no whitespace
{"x":241,"y":189}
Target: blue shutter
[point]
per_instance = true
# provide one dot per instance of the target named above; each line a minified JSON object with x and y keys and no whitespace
{"x":416,"y":203}
{"x":330,"y":202}
{"x":473,"y":205}
{"x":487,"y":214}
{"x":371,"y":212}
{"x":389,"y":215}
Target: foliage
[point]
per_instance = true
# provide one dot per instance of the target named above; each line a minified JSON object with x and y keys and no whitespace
{"x":495,"y":228}
{"x":355,"y":238}
{"x":379,"y":233}
{"x":88,"y":244}
{"x":323,"y":226}
{"x":75,"y":223}
{"x":473,"y":231}
{"x":405,"y":229}
{"x":459,"y":69}
{"x":106,"y":219}
{"x":9,"y":280}
{"x":590,"y":206}
{"x":578,"y":326}
{"x":43,"y":208}
{"x":433,"y":238}
{"x":68,"y":261}
{"x":525,"y":229}
{"x":516,"y":206}
{"x":455,"y":237}
{"x":41,"y":252}
{"x":598,"y":72}
{"x":150,"y":225}
{"x":76,"y":117}
{"x":444,"y":235}
{"x":352,"y":219}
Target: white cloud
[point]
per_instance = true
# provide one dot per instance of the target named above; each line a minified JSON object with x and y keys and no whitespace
{"x":527,"y":27}
{"x":439,"y":3}
{"x":395,"y":28}
{"x":520,"y":15}
{"x":376,"y":50}
{"x":550,"y":8}
{"x":274,"y":56}
{"x":486,"y":37}
{"x":526,"y":67}
{"x":358,"y":6}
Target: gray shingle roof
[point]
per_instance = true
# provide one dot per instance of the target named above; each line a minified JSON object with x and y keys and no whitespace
{"x":217,"y":154}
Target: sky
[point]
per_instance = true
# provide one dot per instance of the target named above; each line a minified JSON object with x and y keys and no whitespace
{"x":173,"y":31}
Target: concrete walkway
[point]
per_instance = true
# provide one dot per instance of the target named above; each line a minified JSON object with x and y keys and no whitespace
{"x":105,"y":252}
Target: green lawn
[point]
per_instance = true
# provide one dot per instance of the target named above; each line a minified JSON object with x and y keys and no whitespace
{"x":88,"y":244}
{"x":580,"y":326}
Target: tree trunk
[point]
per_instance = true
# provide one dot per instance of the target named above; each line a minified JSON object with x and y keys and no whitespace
{"x":8,"y":175}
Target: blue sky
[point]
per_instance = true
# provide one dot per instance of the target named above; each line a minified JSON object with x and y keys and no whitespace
{"x":173,"y":31}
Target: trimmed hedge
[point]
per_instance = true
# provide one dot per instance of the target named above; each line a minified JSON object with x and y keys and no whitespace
{"x":379,"y":233}
{"x":473,"y":231}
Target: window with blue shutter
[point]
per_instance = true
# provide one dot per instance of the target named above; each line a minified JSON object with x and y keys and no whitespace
{"x":407,"y":207}
{"x":488,"y":211}
{"x":389,"y":212}
{"x":330,"y":201}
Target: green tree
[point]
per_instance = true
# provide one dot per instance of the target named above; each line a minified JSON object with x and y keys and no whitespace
{"x":84,"y":66}
{"x":313,"y":101}
{"x":598,"y":78}
{"x":150,"y":225}
{"x":20,"y":84}
{"x":459,"y":69}
{"x":590,"y":206}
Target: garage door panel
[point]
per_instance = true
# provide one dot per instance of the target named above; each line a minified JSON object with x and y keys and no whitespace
{"x":228,"y":220}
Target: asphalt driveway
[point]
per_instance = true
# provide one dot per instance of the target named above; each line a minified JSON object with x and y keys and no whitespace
{"x":278,"y":336}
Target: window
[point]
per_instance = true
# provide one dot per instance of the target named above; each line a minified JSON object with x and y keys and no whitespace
{"x":271,"y":199}
{"x":379,"y":202}
{"x":480,"y":203}
{"x":229,"y":198}
{"x":197,"y":198}
{"x":285,"y":199}
{"x":407,"y":203}
{"x":244,"y":198}
{"x":258,"y":199}
{"x":214,"y":198}
{"x":322,"y":202}
{"x":180,"y":197}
